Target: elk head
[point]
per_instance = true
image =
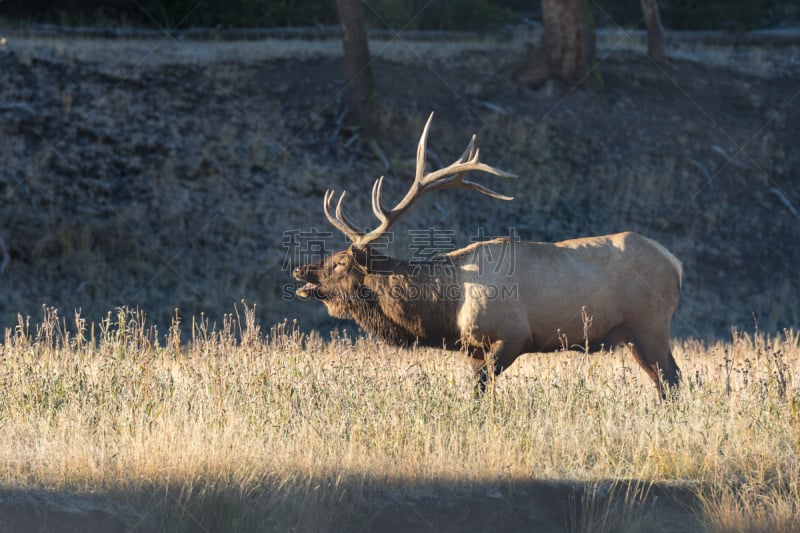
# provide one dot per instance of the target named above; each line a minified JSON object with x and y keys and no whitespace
{"x":340,"y":271}
{"x":339,"y":280}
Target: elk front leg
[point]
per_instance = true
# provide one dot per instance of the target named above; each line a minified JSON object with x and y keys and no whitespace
{"x":487,"y":367}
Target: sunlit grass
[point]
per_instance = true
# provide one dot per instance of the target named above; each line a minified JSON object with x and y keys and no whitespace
{"x":236,"y":428}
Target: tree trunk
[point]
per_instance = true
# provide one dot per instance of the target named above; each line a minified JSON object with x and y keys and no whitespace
{"x":655,"y":31}
{"x":360,"y":84}
{"x":566,"y":50}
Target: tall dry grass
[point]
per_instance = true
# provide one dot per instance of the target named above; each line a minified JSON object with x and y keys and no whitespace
{"x":240,"y":429}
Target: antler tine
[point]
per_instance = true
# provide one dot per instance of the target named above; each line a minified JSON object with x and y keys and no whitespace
{"x":422,"y":148}
{"x":357,"y":230}
{"x":377,"y":208}
{"x":326,"y":207}
{"x":340,"y":222}
{"x":451,"y":176}
{"x":486,"y":190}
{"x":470,"y":151}
{"x":439,"y":179}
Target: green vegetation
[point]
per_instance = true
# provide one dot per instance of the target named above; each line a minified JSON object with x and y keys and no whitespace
{"x":724,"y":14}
{"x":396,"y":14}
{"x":393,"y":14}
{"x":245,"y":431}
{"x":704,"y":15}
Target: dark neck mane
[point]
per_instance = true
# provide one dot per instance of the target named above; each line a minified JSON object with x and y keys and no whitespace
{"x":410,"y":303}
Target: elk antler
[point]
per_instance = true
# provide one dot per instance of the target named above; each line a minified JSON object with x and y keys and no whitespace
{"x":449,"y":177}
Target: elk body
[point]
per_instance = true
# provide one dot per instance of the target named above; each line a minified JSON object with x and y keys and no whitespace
{"x":501,"y":298}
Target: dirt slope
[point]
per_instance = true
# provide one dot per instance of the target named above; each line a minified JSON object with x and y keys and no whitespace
{"x":173,"y":174}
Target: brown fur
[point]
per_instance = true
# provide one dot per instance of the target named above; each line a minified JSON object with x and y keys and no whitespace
{"x":499,"y":299}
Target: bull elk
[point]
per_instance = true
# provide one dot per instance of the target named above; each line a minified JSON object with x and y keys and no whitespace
{"x":500,"y":298}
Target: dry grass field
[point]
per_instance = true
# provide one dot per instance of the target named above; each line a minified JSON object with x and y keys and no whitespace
{"x":237,"y":429}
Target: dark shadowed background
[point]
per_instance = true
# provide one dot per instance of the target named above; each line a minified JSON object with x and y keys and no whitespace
{"x":164,"y":171}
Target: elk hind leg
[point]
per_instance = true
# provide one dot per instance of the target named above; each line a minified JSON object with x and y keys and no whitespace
{"x":653,"y":354}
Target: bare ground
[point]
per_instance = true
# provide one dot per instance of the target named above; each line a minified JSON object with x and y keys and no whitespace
{"x":164,"y":174}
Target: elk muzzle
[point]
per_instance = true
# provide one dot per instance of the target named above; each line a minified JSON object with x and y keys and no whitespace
{"x":305,"y":274}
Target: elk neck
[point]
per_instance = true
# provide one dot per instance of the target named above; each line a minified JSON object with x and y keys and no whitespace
{"x":411,"y":302}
